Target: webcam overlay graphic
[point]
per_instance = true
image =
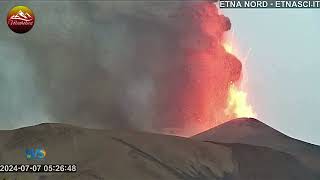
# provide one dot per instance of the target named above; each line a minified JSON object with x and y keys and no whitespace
{"x":35,"y":153}
{"x":20,"y":19}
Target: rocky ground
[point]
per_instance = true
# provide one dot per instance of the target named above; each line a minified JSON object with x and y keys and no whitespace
{"x":122,"y":155}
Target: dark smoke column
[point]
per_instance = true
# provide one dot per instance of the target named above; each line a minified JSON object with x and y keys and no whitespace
{"x":198,"y":86}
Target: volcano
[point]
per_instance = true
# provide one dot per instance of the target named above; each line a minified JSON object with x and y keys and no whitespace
{"x":253,"y":132}
{"x":129,"y":155}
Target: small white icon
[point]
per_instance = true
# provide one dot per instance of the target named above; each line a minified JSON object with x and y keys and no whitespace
{"x":22,"y":16}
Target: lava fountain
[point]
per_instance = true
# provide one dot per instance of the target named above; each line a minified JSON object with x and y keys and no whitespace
{"x":237,"y":102}
{"x":203,"y":89}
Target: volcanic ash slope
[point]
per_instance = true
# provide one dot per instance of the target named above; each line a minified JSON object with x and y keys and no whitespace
{"x":129,"y":155}
{"x":254,"y":132}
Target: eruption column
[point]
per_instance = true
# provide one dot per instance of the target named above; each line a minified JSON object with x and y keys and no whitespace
{"x":200,"y":97}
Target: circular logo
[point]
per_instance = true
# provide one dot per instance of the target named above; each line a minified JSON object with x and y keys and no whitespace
{"x":20,"y":19}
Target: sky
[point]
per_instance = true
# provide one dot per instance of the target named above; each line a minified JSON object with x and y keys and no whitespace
{"x":283,"y":67}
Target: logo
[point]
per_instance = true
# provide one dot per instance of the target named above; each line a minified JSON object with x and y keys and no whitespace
{"x":20,"y":19}
{"x":35,"y":154}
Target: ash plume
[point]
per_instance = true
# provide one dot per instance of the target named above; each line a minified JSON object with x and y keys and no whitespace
{"x":104,"y":64}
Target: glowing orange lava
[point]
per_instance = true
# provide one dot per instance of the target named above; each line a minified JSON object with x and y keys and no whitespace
{"x":237,"y":103}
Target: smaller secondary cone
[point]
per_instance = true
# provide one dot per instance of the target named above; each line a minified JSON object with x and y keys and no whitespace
{"x":254,"y":132}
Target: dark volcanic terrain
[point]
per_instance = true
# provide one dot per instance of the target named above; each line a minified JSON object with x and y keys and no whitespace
{"x":129,"y":155}
{"x":253,"y":132}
